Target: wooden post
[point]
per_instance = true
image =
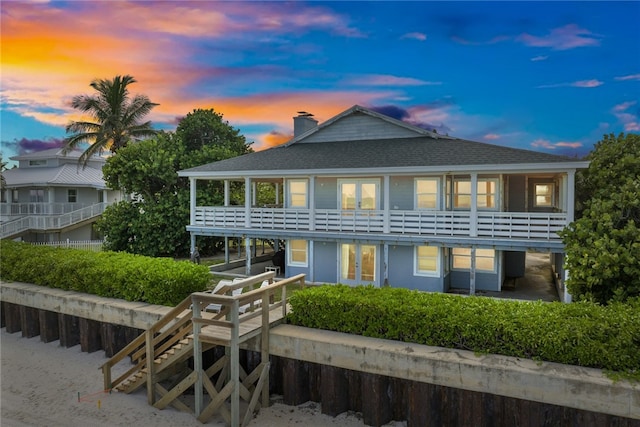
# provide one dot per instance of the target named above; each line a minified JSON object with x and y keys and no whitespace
{"x":90,"y":339}
{"x":235,"y":359}
{"x":30,"y":321}
{"x":424,"y":405}
{"x":356,"y":391}
{"x":295,"y":381}
{"x":376,"y":404}
{"x":335,"y":399}
{"x":113,"y":338}
{"x":151,"y":366}
{"x":49,"y":328}
{"x":12,"y":317}
{"x":69,"y":327}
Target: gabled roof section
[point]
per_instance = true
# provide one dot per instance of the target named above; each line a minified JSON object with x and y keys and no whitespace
{"x":358,"y":123}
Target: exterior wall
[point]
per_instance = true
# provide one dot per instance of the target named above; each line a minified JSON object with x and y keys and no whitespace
{"x":401,"y":193}
{"x":516,"y":194}
{"x":325,"y":260}
{"x":401,"y":271}
{"x":326,"y":196}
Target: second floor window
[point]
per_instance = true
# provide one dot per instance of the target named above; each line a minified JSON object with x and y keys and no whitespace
{"x":486,"y":192}
{"x":72,"y":195}
{"x":36,"y":196}
{"x":298,"y":193}
{"x":427,"y":193}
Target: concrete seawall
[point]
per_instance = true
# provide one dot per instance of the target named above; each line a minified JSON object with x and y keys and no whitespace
{"x":582,"y":389}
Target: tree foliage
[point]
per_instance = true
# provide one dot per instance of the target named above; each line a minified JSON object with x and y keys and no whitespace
{"x":603,"y":244}
{"x":115,"y":118}
{"x":153,"y":224}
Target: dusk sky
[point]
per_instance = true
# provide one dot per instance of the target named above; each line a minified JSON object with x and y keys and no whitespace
{"x":546,"y":76}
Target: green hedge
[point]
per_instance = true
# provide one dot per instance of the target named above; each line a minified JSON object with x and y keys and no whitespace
{"x":583,"y":334}
{"x":109,"y":274}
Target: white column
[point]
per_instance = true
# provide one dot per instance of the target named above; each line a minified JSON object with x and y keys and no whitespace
{"x":226,"y":250}
{"x":247,"y":202}
{"x":312,"y":272}
{"x":312,"y":203}
{"x":571,"y":195}
{"x":472,"y":272}
{"x":386,"y":206}
{"x":277,"y":193}
{"x":192,"y":200}
{"x":254,"y":193}
{"x":227,"y":193}
{"x":385,"y":266}
{"x":473,"y":214}
{"x":247,"y":244}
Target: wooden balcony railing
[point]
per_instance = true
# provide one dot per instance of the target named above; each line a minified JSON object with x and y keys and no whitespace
{"x":514,"y":225}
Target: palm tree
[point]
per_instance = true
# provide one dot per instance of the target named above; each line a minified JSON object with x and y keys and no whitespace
{"x":116,"y":118}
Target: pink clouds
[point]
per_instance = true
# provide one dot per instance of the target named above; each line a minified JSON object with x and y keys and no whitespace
{"x":386,"y":80}
{"x":546,"y":144}
{"x":580,"y":83}
{"x":570,"y":36}
{"x":491,"y":136}
{"x":629,"y":77}
{"x":629,"y":120}
{"x":415,"y":36}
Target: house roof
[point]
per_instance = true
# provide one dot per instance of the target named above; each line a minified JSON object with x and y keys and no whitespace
{"x":68,"y":175}
{"x":54,"y":153}
{"x":424,"y":151}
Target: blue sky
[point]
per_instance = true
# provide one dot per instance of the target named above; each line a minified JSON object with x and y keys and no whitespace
{"x":546,"y":76}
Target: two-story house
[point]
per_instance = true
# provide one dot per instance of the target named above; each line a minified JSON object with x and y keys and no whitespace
{"x":50,"y":197}
{"x":364,"y":198}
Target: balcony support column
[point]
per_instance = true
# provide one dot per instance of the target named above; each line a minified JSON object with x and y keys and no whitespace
{"x":192,"y":201}
{"x":247,"y":243}
{"x":247,"y":203}
{"x":226,"y":193}
{"x":571,"y":195}
{"x":386,"y":205}
{"x":472,"y":272}
{"x":277,"y":193}
{"x":473,"y":214}
{"x":312,"y":203}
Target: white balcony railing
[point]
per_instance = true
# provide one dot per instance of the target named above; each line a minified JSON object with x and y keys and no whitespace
{"x":513,"y":225}
{"x":50,"y":222}
{"x":22,"y":209}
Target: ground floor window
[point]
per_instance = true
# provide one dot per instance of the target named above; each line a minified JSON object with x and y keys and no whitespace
{"x":485,"y":259}
{"x":297,"y":251}
{"x":427,"y":261}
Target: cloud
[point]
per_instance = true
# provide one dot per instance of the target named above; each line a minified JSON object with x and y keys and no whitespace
{"x":580,"y":83}
{"x":386,"y":80}
{"x":426,"y":116}
{"x":274,"y":138}
{"x":415,"y":35}
{"x":548,"y":145}
{"x":629,"y":119}
{"x":629,"y":77}
{"x":570,"y":36}
{"x":26,"y":146}
{"x":491,"y":136}
{"x":539,"y":58}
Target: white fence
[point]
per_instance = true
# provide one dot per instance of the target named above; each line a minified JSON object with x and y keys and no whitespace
{"x":86,"y":245}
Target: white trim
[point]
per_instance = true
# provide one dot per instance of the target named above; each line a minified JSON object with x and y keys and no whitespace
{"x":290,"y":261}
{"x":358,"y":183}
{"x":306,"y":193}
{"x":438,"y":194}
{"x":479,"y":270}
{"x":417,"y":272}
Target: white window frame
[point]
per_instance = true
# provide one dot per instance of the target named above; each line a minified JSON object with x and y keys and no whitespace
{"x":290,"y":251}
{"x":416,"y":264}
{"x":290,"y":193}
{"x":37,"y":162}
{"x":480,"y":181}
{"x":36,"y":195}
{"x":552,"y":187}
{"x":480,"y":253}
{"x":416,"y":195}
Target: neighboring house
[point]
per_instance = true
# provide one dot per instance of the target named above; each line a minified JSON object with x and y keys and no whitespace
{"x":50,"y":197}
{"x":364,"y":198}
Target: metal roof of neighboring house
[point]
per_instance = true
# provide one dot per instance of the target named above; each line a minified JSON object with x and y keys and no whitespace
{"x":424,"y":151}
{"x":69,"y":175}
{"x":53,"y":153}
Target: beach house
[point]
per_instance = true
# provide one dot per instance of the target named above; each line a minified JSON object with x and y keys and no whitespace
{"x":366,"y":199}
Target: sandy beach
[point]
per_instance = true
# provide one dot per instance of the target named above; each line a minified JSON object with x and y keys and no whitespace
{"x":44,"y":384}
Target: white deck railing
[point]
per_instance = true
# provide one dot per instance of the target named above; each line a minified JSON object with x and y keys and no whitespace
{"x":514,"y":225}
{"x":50,"y":222}
{"x":8,"y":209}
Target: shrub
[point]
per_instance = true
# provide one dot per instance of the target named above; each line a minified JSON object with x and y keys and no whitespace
{"x":109,"y":274}
{"x":583,"y":334}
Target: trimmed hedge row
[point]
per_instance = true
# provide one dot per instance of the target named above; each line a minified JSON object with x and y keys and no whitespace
{"x":109,"y":274}
{"x":583,"y":334}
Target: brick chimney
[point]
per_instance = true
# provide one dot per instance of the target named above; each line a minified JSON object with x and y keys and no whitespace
{"x":303,"y":122}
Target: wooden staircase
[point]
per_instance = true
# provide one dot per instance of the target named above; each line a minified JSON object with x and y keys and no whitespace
{"x":159,"y":356}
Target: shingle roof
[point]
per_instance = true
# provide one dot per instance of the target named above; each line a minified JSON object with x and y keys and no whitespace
{"x":419,"y":151}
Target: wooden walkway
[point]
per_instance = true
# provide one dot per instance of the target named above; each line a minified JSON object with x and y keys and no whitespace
{"x":159,"y":355}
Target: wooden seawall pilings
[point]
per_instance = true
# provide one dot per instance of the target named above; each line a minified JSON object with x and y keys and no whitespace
{"x":382,"y":380}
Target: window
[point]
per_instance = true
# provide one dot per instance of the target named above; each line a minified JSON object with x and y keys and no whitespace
{"x":36,"y":196}
{"x":485,"y":259}
{"x":42,"y":162}
{"x":3,"y":196}
{"x":298,"y":193}
{"x":72,"y":195}
{"x":543,"y":195}
{"x":297,"y":250}
{"x":427,"y":261}
{"x":426,"y":193}
{"x":15,"y":195}
{"x":486,"y":193}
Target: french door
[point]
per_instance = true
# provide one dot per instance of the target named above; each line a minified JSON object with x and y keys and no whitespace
{"x":358,"y":264}
{"x":359,"y":194}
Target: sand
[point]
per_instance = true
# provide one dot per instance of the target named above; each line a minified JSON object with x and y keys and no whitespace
{"x":44,"y":384}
